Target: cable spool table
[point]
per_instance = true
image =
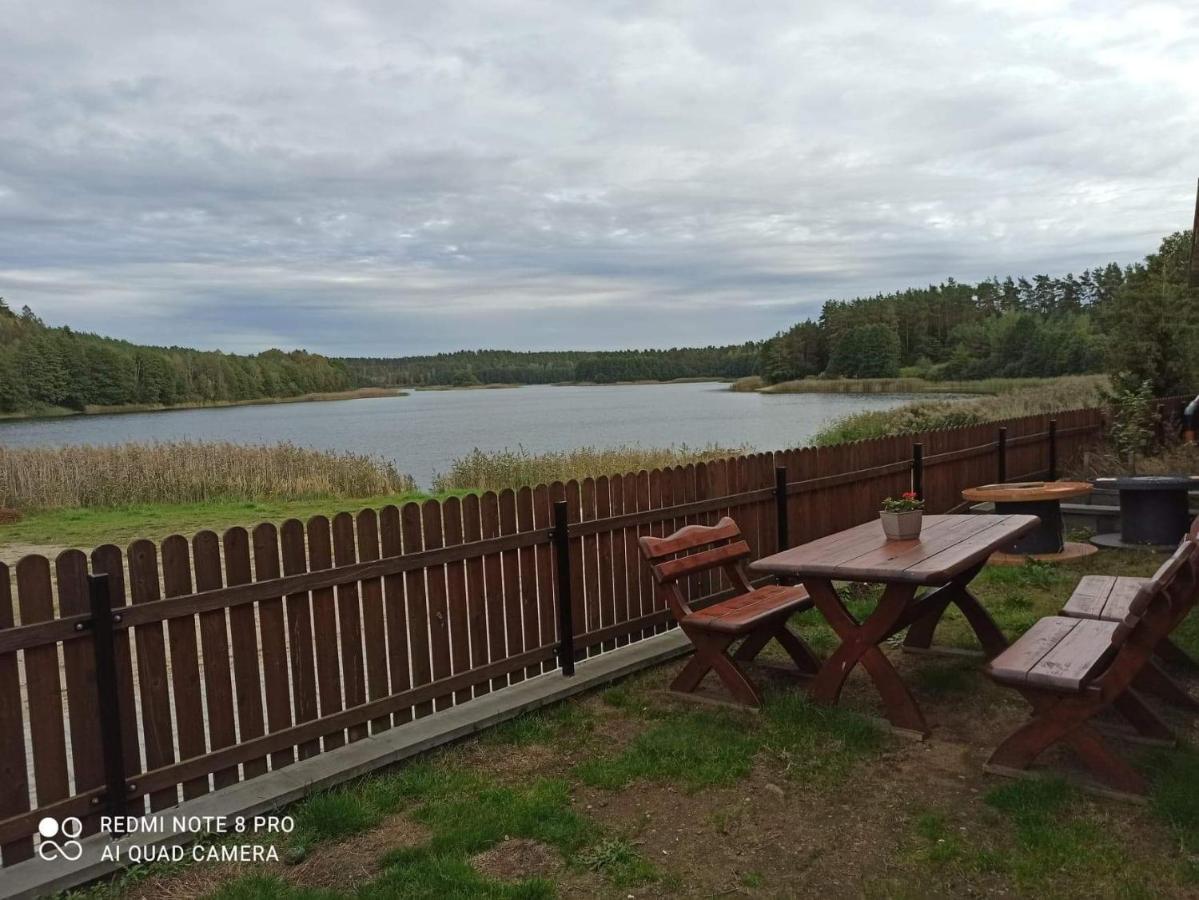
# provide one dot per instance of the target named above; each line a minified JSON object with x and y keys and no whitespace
{"x":1037,"y":498}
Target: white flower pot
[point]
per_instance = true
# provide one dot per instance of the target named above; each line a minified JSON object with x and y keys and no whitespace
{"x":902,"y":526}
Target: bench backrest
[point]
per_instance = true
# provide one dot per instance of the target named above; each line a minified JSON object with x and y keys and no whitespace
{"x":1159,"y":605}
{"x":693,"y":550}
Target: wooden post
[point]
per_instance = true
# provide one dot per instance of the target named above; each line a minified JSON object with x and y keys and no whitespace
{"x":1053,"y":449}
{"x":108,"y":699}
{"x":1002,"y":448}
{"x":780,"y":507}
{"x":918,"y":470}
{"x":566,"y":627}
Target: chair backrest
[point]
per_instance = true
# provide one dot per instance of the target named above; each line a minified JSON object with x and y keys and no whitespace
{"x":1193,"y":534}
{"x":692,"y":550}
{"x":1163,"y":600}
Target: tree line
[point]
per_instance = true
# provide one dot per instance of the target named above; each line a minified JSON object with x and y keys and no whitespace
{"x":468,"y":367}
{"x":1138,"y":321}
{"x":43,"y":367}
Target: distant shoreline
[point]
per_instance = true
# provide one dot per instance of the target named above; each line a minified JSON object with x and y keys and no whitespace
{"x":59,"y":412}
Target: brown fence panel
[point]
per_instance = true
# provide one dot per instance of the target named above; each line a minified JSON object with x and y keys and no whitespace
{"x":14,"y":775}
{"x":185,"y":660}
{"x":274,"y":640}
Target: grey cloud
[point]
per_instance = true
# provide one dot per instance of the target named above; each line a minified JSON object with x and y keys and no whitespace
{"x":401,"y":177}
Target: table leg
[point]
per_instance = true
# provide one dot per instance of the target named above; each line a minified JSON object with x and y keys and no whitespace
{"x":920,"y":635}
{"x":859,"y":643}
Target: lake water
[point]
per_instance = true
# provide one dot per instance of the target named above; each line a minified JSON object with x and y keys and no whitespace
{"x":425,"y":430}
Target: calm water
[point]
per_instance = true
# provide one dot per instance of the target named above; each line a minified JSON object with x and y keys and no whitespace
{"x":424,"y":431}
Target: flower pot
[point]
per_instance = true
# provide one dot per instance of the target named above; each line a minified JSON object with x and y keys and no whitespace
{"x":902,"y":526}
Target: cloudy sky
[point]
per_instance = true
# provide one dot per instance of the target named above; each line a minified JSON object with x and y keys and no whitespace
{"x":397,"y":177}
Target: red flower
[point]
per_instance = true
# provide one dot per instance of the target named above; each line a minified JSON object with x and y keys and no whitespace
{"x":909,"y":495}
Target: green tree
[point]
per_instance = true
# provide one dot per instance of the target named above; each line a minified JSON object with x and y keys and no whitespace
{"x":867,"y":351}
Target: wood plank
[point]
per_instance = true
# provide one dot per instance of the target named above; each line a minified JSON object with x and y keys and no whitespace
{"x":633,"y":564}
{"x":573,"y":494}
{"x":185,"y":661}
{"x":349,"y":623}
{"x":79,"y":665}
{"x":14,"y":776}
{"x":1090,"y":596}
{"x":418,"y":604}
{"x":395,"y":606}
{"x":543,"y":520}
{"x":456,"y":602}
{"x":374,"y":622}
{"x":607,"y":596}
{"x":591,"y":580}
{"x":1119,"y":600}
{"x":157,"y":727}
{"x":510,"y":565}
{"x":299,"y":634}
{"x":476,"y":592}
{"x":974,"y":549}
{"x":529,"y":610}
{"x":108,"y":559}
{"x":324,"y":628}
{"x":692,"y":536}
{"x":704,"y":559}
{"x":896,"y":556}
{"x":273,"y":627}
{"x":1014,"y":663}
{"x":620,"y":562}
{"x":439,"y":616}
{"x":243,"y":630}
{"x":214,"y":644}
{"x":1077,"y":656}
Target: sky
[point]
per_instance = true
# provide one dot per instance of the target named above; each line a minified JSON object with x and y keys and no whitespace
{"x":382,"y":179}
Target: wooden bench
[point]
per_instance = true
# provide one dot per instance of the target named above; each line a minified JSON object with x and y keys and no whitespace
{"x":1072,"y":669}
{"x":1109,"y":598}
{"x":755,"y":615}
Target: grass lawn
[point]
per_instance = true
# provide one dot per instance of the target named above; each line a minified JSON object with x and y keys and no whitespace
{"x":629,"y":793}
{"x":86,"y":528}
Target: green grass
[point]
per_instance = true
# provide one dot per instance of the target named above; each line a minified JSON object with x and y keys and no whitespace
{"x":1041,"y":836}
{"x":568,"y":722}
{"x":701,"y":749}
{"x":87,"y":528}
{"x":465,"y":814}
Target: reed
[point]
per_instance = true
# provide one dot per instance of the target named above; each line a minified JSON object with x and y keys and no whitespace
{"x":185,"y":472}
{"x":495,"y":470}
{"x":1077,"y":392}
{"x":919,"y":385}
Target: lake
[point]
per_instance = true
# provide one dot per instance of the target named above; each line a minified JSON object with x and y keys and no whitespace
{"x":425,"y":430}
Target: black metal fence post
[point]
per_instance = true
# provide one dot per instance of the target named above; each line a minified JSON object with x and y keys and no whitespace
{"x":1053,"y":449}
{"x":108,"y":699}
{"x":566,"y":626}
{"x":918,"y":470}
{"x":780,"y":507}
{"x":1002,"y":441}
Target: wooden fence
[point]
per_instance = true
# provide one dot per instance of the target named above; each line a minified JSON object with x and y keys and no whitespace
{"x":133,"y":679}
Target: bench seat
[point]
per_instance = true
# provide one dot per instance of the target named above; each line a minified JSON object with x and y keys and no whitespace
{"x":748,"y":612}
{"x":1103,"y":597}
{"x":1059,"y":653}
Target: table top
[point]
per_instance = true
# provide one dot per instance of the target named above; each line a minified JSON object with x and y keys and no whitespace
{"x":1027,"y":491}
{"x":947,"y":546}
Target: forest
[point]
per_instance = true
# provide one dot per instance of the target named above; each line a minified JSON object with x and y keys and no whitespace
{"x":1139,"y":321}
{"x":43,"y":367}
{"x":468,"y":367}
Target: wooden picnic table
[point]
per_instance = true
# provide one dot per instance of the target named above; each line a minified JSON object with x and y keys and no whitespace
{"x":950,"y":551}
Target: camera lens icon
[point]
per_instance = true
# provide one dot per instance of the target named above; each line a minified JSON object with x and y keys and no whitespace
{"x":51,"y":848}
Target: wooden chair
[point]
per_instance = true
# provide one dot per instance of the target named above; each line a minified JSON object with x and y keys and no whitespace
{"x":754,"y":614}
{"x":1072,"y":669}
{"x":1108,"y":598}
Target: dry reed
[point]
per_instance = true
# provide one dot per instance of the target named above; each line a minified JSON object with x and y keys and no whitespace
{"x":187,"y":471}
{"x":496,"y":470}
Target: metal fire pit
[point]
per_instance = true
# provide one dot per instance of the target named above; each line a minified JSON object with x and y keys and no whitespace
{"x":1154,"y":510}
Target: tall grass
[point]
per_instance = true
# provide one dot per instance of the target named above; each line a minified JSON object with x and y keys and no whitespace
{"x":187,"y":471}
{"x":494,"y":471}
{"x":1058,"y":394}
{"x":916,"y":385}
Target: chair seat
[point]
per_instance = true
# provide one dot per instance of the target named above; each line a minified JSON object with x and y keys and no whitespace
{"x":1058,"y":652}
{"x":747,"y":612}
{"x":1103,"y":597}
